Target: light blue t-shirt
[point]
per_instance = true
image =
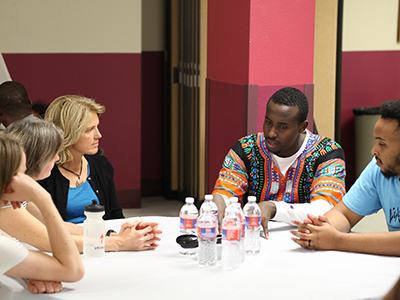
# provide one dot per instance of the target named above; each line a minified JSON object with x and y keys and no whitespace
{"x":78,"y":198}
{"x":373,"y":191}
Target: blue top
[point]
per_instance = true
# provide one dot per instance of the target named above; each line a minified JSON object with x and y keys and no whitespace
{"x":373,"y":191}
{"x":101,"y":180}
{"x":78,"y":198}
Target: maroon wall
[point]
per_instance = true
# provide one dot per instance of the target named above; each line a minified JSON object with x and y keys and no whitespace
{"x":228,"y":41}
{"x":152,"y":123}
{"x":226,"y":124}
{"x":368,"y":79}
{"x":114,"y":80}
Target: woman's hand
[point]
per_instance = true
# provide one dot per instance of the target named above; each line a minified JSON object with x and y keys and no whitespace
{"x":40,"y":287}
{"x":139,"y":236}
{"x":23,"y":188}
{"x":14,"y":204}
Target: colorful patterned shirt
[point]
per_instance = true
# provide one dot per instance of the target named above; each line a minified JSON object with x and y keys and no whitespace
{"x":317,"y":174}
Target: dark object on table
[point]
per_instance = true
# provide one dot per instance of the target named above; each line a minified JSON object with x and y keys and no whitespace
{"x":187,"y":241}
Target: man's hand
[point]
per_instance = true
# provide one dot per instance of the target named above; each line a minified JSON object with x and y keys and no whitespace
{"x":268,"y":211}
{"x":312,"y":220}
{"x":40,"y":287}
{"x":219,"y":201}
{"x":316,"y":233}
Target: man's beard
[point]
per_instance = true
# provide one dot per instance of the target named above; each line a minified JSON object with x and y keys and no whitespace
{"x":391,"y":168}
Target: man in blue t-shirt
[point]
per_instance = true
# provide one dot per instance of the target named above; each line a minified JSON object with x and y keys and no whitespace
{"x":377,"y":187}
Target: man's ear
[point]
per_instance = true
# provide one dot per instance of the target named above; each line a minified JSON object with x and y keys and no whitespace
{"x":303,"y":126}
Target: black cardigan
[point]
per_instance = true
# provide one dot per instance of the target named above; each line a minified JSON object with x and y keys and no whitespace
{"x":101,"y":179}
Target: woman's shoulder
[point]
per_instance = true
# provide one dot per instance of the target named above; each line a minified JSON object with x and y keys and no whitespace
{"x":54,"y":178}
{"x":96,"y":158}
{"x":98,"y":162}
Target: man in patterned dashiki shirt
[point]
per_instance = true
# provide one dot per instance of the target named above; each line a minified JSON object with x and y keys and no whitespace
{"x":291,"y":171}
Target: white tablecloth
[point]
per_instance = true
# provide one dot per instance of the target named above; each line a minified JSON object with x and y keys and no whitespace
{"x":282,"y":270}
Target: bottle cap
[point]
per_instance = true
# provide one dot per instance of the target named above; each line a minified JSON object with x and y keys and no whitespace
{"x":208,"y":197}
{"x":94,"y":207}
{"x":189,"y":200}
{"x":252,"y":198}
{"x":233,"y":199}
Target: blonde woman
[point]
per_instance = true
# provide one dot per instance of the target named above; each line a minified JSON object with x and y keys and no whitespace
{"x":15,"y":260}
{"x":79,"y":175}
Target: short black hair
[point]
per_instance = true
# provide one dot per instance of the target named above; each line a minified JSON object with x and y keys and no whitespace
{"x":40,"y":108}
{"x":391,"y":110}
{"x":14,"y":98}
{"x":291,"y":96}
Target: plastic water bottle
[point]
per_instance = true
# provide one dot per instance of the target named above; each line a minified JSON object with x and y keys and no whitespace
{"x":234,"y":201}
{"x":207,"y":237}
{"x":188,"y":223}
{"x":208,"y":201}
{"x":252,"y":214}
{"x":240,"y":214}
{"x":231,"y":256}
{"x":94,"y":231}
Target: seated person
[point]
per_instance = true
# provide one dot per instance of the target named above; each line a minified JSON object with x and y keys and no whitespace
{"x":377,"y":187}
{"x":80,"y":176}
{"x":42,"y":141}
{"x":14,"y":103}
{"x":15,"y":259}
{"x":291,"y":171}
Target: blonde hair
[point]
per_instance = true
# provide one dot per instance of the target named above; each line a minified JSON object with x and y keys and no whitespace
{"x":10,"y":160}
{"x":41,"y":141}
{"x":72,"y":114}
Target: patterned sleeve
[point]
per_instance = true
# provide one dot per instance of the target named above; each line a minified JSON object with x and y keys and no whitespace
{"x":232,"y":179}
{"x":329,"y":183}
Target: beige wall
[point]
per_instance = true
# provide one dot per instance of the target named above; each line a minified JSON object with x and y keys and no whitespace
{"x":370,"y":25}
{"x":153,"y":25}
{"x":325,"y":66}
{"x":77,"y":26}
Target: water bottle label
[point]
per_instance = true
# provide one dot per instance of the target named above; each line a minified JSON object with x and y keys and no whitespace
{"x":231,"y":234}
{"x":188,"y":223}
{"x":230,"y":222}
{"x":253,"y":221}
{"x":241,"y":218}
{"x":93,"y":246}
{"x":207,"y":232}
